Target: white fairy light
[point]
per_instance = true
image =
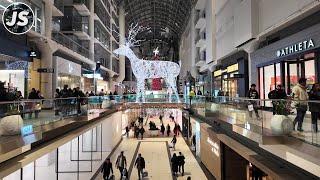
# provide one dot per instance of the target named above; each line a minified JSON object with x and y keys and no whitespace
{"x":147,"y":69}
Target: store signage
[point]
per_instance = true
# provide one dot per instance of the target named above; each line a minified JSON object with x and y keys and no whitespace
{"x":232,"y":68}
{"x":215,"y":148}
{"x":18,"y":18}
{"x":32,"y":54}
{"x":301,"y":46}
{"x":237,"y":75}
{"x":45,"y":70}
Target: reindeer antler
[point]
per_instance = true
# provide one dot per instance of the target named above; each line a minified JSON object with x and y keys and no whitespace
{"x":133,"y":32}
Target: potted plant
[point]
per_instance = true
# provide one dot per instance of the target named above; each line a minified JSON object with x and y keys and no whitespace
{"x":280,"y":123}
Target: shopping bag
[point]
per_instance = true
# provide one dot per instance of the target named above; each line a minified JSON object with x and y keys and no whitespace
{"x":250,"y":107}
{"x":145,"y":174}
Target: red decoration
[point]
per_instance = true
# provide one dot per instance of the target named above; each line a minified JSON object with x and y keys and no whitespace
{"x":156,"y":84}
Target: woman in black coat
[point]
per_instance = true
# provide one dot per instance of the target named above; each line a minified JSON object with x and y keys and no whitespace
{"x":174,"y":164}
{"x":314,"y":107}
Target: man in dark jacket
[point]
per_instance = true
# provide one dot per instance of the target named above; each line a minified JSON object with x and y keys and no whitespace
{"x":278,"y":94}
{"x":106,"y":169}
{"x":181,"y":163}
{"x":140,"y":164}
{"x":121,"y":162}
{"x":253,"y":94}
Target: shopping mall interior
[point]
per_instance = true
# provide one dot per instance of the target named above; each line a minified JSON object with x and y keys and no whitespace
{"x":159,"y":89}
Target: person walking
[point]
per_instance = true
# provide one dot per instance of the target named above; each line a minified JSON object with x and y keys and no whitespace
{"x":136,"y":131}
{"x":173,"y":142}
{"x":161,"y":118}
{"x":277,"y":94}
{"x":141,"y":131}
{"x":178,"y":129}
{"x":107,"y":169}
{"x":127,"y":131}
{"x":300,"y":94}
{"x":162,"y":129}
{"x":174,"y":164}
{"x":140,"y":165}
{"x":181,"y":160}
{"x":168,"y":130}
{"x":314,"y":107}
{"x":121,"y":162}
{"x":253,"y":94}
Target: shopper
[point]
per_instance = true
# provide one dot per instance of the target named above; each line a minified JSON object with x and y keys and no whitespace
{"x":162,"y":129}
{"x":127,"y":131}
{"x":181,"y":160}
{"x":121,"y":162}
{"x":141,"y":131}
{"x":174,"y":164}
{"x":300,"y":95}
{"x":107,"y":169}
{"x":194,"y":142}
{"x":34,"y":106}
{"x":253,"y":104}
{"x":140,"y":165}
{"x":173,"y":142}
{"x":161,"y":118}
{"x":101,"y":93}
{"x":199,"y":93}
{"x":314,"y":107}
{"x":189,"y":178}
{"x":168,"y":130}
{"x":277,"y":94}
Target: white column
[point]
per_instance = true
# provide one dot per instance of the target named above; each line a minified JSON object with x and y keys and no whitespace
{"x":91,"y":29}
{"x":122,"y":63}
{"x":46,"y":83}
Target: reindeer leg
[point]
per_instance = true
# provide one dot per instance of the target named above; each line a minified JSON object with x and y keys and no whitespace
{"x":139,"y":89}
{"x":174,"y":87}
{"x":143,"y":91}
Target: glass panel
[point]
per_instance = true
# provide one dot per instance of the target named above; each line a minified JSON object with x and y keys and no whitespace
{"x":310,"y":73}
{"x":261,"y":86}
{"x":278,"y":75}
{"x":28,"y":171}
{"x":293,"y":76}
{"x":269,"y":81}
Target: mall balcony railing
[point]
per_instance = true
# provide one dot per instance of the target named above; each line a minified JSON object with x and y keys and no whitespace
{"x":70,"y":43}
{"x":263,"y":117}
{"x":85,"y":2}
{"x":59,"y":4}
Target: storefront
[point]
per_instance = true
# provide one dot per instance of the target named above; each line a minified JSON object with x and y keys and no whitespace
{"x":210,"y":154}
{"x":230,"y":76}
{"x":18,"y":67}
{"x":287,"y":60}
{"x":67,"y":73}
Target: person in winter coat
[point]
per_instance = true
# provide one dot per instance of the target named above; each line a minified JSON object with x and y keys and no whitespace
{"x":162,"y":129}
{"x":253,"y":94}
{"x":107,"y":169}
{"x":121,"y":162}
{"x":181,"y":160}
{"x":140,"y":165}
{"x":174,"y":164}
{"x":314,"y":107}
{"x":174,"y":141}
{"x":168,"y":130}
{"x":299,"y":93}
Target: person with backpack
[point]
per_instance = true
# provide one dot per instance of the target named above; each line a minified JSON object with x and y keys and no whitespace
{"x":107,"y":169}
{"x":121,"y":162}
{"x":140,"y":165}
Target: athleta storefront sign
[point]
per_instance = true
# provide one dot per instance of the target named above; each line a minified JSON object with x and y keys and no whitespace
{"x":301,"y":46}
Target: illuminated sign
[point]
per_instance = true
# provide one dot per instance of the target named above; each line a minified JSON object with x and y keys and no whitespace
{"x":26,"y":130}
{"x":215,"y":148}
{"x":301,"y":46}
{"x":233,"y":68}
{"x":32,"y":54}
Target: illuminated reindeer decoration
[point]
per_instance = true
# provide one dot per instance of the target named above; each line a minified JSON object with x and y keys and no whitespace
{"x":146,"y":69}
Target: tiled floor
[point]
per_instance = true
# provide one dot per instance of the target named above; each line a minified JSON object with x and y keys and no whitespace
{"x":155,"y":152}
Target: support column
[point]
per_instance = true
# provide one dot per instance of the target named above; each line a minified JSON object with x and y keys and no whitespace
{"x":122,"y":63}
{"x":46,"y":83}
{"x":91,"y":29}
